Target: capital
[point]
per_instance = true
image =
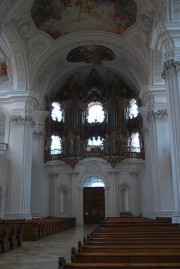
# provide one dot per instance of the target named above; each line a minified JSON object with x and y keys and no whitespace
{"x":18,"y":120}
{"x":156,"y":114}
{"x":134,"y":173}
{"x":170,"y":65}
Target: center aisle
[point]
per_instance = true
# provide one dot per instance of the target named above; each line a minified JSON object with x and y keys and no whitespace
{"x":44,"y":254}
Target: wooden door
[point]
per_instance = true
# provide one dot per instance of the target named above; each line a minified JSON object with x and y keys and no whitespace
{"x":93,"y":205}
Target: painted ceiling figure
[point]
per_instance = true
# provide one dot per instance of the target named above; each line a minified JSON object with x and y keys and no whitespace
{"x":58,"y":18}
{"x":93,"y":54}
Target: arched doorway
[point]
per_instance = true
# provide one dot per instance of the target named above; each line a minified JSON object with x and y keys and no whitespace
{"x":93,"y":200}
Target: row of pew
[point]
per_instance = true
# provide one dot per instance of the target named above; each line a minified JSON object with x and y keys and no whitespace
{"x":10,"y":236}
{"x":135,"y":242}
{"x":14,"y":231}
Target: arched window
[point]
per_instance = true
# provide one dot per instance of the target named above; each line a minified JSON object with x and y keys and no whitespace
{"x":56,"y":113}
{"x":95,"y":142}
{"x":134,"y":142}
{"x":133,"y":110}
{"x":95,"y":112}
{"x":93,"y":182}
{"x":56,"y":147}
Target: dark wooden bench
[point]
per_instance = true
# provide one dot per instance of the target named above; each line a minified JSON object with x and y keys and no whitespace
{"x":128,"y":243}
{"x":126,"y":257}
{"x":130,"y":249}
{"x":35,"y":229}
{"x":118,"y":265}
{"x":4,"y":239}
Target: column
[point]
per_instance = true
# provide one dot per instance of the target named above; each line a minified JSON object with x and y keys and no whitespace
{"x":152,"y":151}
{"x":171,"y":76}
{"x":20,"y":146}
{"x":38,"y":195}
{"x":146,"y":193}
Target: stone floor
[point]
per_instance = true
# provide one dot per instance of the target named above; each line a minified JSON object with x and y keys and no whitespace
{"x":44,"y":254}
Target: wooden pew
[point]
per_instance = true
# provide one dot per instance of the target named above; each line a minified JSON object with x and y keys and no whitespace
{"x":119,"y":265}
{"x":128,"y":243}
{"x":129,"y":248}
{"x":126,"y":257}
{"x":36,"y":229}
{"x":4,"y":239}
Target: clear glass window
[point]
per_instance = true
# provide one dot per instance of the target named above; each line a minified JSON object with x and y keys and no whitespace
{"x":55,"y":145}
{"x":93,"y":182}
{"x":134,"y":142}
{"x":94,"y":142}
{"x":95,"y":112}
{"x":133,"y":110}
{"x":56,"y":112}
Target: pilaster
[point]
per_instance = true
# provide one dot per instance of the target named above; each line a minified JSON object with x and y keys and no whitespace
{"x":114,"y":194}
{"x":38,"y":194}
{"x":52,"y":193}
{"x":155,"y":116}
{"x":75,"y":201}
{"x":134,"y":192}
{"x":81,"y":221}
{"x":171,"y":75}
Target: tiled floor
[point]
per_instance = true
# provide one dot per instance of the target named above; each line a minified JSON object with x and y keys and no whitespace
{"x":44,"y":254}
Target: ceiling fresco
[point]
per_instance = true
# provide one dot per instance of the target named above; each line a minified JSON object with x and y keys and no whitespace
{"x":60,"y":17}
{"x":93,"y":54}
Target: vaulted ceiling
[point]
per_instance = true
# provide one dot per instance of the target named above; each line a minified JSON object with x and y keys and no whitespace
{"x":51,"y":40}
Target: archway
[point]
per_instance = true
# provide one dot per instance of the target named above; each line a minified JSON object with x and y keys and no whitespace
{"x":93,"y":200}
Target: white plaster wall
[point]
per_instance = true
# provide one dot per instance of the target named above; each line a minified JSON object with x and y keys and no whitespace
{"x":61,"y":176}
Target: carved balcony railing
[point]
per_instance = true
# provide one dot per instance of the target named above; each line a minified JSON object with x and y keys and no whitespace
{"x":96,"y":152}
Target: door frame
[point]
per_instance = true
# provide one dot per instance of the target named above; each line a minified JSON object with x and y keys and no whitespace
{"x":81,"y":209}
{"x":93,"y":192}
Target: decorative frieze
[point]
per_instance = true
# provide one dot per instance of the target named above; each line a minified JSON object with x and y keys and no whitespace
{"x":170,"y":65}
{"x":22,"y":121}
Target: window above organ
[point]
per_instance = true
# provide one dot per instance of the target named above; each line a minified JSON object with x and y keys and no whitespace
{"x":95,"y":112}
